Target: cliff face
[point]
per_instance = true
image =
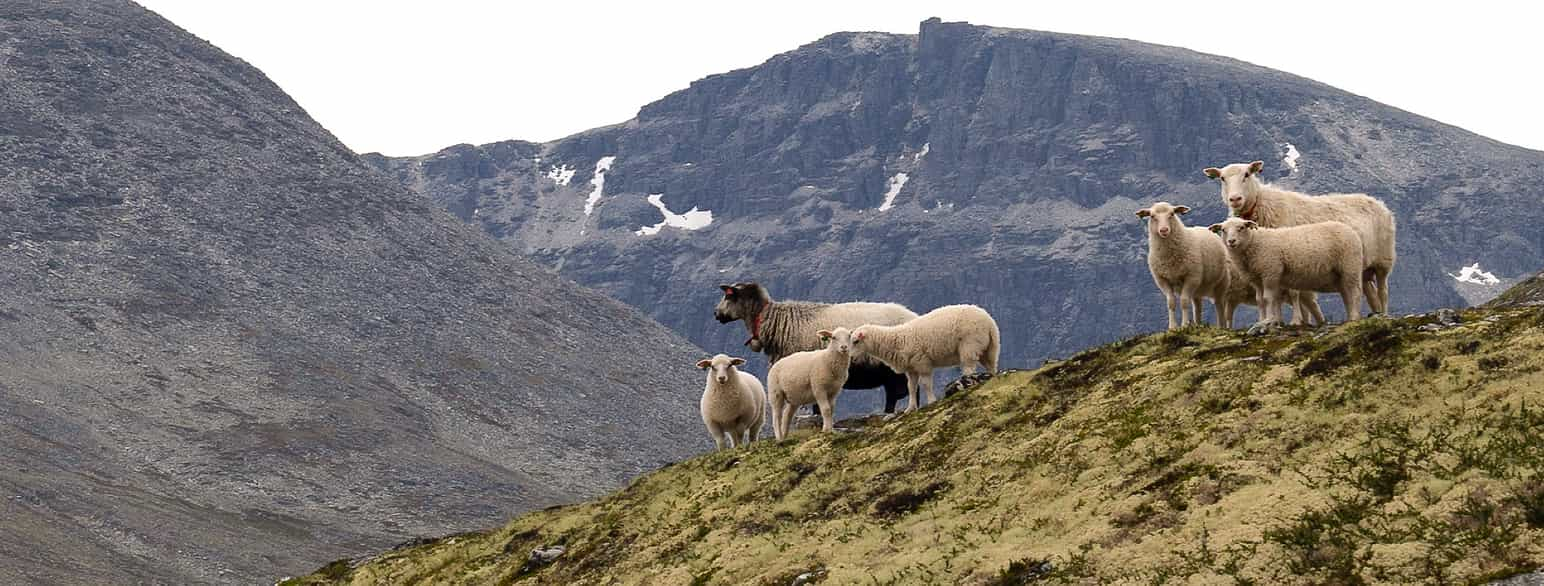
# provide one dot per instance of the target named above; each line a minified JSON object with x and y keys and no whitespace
{"x":973,"y":164}
{"x":222,"y":335}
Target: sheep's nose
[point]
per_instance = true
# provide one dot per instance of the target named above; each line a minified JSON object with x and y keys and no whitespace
{"x":1235,"y":200}
{"x":1163,"y":231}
{"x":723,"y":378}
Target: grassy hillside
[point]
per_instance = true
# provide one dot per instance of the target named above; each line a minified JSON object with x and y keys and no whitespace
{"x":1377,"y":452}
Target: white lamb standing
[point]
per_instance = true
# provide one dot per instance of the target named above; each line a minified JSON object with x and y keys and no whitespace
{"x":953,"y":335}
{"x":811,"y":376}
{"x":1324,"y":257}
{"x":1187,"y":263}
{"x":733,"y":403}
{"x":1272,"y":207}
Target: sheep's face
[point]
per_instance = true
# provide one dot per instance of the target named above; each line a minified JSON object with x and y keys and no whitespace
{"x":1235,"y":232}
{"x":1240,"y":184}
{"x":720,"y":367}
{"x":1163,"y":219}
{"x":839,"y":339}
{"x":860,"y":340}
{"x":741,"y":301}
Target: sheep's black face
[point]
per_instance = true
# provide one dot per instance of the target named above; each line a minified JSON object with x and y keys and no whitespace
{"x":739,"y":302}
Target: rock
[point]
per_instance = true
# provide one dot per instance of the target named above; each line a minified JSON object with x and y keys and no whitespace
{"x":542,"y":556}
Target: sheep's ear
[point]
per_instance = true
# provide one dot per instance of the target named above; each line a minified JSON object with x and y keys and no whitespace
{"x":704,"y":363}
{"x":824,"y":335}
{"x":727,"y":289}
{"x":1212,"y":172}
{"x":736,"y":361}
{"x":1257,"y":166}
{"x":1215,"y":228}
{"x":1250,"y":225}
{"x":1144,"y":212}
{"x":857,"y":335}
{"x":1181,"y":210}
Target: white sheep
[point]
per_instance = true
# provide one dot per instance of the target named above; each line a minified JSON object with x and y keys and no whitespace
{"x":733,"y":402}
{"x":1240,"y":292}
{"x":953,"y":335}
{"x":1326,"y":257}
{"x":780,"y":328}
{"x":1272,"y":207}
{"x":1187,"y":264}
{"x":812,"y":376}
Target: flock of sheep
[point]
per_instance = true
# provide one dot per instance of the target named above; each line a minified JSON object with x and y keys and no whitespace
{"x":1277,"y":247}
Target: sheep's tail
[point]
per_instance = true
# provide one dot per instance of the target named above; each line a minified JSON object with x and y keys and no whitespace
{"x":993,"y":345}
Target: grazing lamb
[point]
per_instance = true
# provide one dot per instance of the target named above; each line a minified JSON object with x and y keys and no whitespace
{"x":733,"y":402}
{"x":1187,"y":264}
{"x":1272,"y":207}
{"x":780,"y":328}
{"x":812,"y":376}
{"x":952,"y":335}
{"x":1326,"y":257}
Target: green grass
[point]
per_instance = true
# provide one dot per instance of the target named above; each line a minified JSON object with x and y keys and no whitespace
{"x":1374,"y":453}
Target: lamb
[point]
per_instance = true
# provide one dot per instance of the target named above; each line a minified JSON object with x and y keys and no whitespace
{"x":812,"y":376}
{"x":1326,"y":257}
{"x":1272,"y":207}
{"x":953,"y":335}
{"x":1240,"y":292}
{"x":781,"y":328}
{"x":1187,"y":263}
{"x":733,"y":403}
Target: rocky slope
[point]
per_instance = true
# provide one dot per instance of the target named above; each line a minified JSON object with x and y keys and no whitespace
{"x":973,"y":164}
{"x":1389,"y":451}
{"x":224,"y":339}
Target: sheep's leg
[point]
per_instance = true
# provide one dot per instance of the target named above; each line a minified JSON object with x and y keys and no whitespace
{"x":1311,"y":302}
{"x":1271,"y":311}
{"x":1351,"y":294}
{"x":754,"y":431}
{"x":911,"y":393}
{"x":787,"y":418}
{"x":895,"y":389}
{"x":968,"y":358}
{"x":1196,"y":310}
{"x":1382,"y":275}
{"x":1169,"y":296}
{"x":734,"y":438}
{"x":826,"y":419}
{"x":777,"y":416}
{"x":1224,"y":314}
{"x":927,"y":382}
{"x":718,"y":435}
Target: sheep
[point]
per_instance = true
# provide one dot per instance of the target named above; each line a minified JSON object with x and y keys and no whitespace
{"x":812,"y":376}
{"x":952,"y":335}
{"x":733,"y":402}
{"x":1186,"y":262}
{"x":780,"y":328}
{"x":1326,"y":256}
{"x":1240,"y":292}
{"x":1271,"y":207}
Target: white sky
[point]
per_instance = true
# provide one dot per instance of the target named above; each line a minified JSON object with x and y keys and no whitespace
{"x":407,"y":78}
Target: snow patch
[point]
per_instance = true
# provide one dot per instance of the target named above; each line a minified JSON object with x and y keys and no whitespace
{"x":599,"y":181}
{"x":1290,"y":158}
{"x":926,"y":146}
{"x":1473,"y":274}
{"x":561,"y":174}
{"x":895,"y":185}
{"x":693,"y":219}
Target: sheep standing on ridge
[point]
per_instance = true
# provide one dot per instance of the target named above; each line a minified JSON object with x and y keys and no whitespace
{"x":1272,"y":207}
{"x":812,"y":376}
{"x":1326,"y":257}
{"x":1240,"y":292}
{"x":780,"y":328}
{"x":953,"y":335}
{"x":733,"y":402}
{"x":1187,"y":264}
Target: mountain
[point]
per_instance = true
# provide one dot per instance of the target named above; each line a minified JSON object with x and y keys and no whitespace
{"x":224,"y":339}
{"x":1392,"y":451}
{"x":970,"y":164}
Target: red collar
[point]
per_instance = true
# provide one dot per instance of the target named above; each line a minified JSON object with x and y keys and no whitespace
{"x":1249,"y":213}
{"x":756,"y":323}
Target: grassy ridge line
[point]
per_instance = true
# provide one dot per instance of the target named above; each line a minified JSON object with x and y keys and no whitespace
{"x":1373,"y":453}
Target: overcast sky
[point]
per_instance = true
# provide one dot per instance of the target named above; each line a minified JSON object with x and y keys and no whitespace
{"x":407,"y":78}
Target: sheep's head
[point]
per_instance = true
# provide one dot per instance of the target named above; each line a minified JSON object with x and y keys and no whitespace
{"x":1235,"y":231}
{"x":1240,"y":184}
{"x":839,"y":339}
{"x":741,"y":301}
{"x":720,"y":367}
{"x":1163,"y":218}
{"x":860,"y":336}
